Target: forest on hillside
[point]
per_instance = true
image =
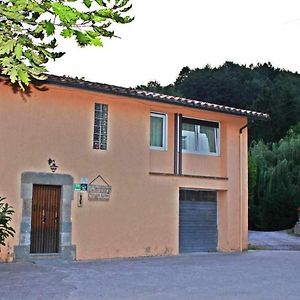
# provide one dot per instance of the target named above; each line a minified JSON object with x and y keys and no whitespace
{"x":274,"y":146}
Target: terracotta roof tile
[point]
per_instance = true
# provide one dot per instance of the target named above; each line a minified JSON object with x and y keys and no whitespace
{"x":117,"y":90}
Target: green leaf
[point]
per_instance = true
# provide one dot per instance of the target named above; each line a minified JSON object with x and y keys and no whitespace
{"x":13,"y":76}
{"x":96,"y":42}
{"x":98,"y":19}
{"x":37,"y":69}
{"x":104,"y":32}
{"x":123,"y":3}
{"x":87,"y":3}
{"x":67,"y":33}
{"x":18,"y":51}
{"x":35,"y":58}
{"x":82,"y":38}
{"x":7,"y":47}
{"x":13,"y":15}
{"x":85,"y":16}
{"x":35,"y":7}
{"x":6,"y":61}
{"x":49,"y":27}
{"x":38,"y":29}
{"x":128,"y":19}
{"x":92,"y":34}
{"x":101,"y":3}
{"x":66,"y":14}
{"x":126,"y":9}
{"x":23,"y":76}
{"x":55,"y":55}
{"x":105,"y":13}
{"x":38,"y":32}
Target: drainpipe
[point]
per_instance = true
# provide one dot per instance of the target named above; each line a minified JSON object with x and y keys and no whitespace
{"x":180,"y":144}
{"x":241,"y":185}
{"x":175,"y":144}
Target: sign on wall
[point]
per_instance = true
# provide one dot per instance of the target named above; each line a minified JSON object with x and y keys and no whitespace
{"x":99,"y":192}
{"x":80,"y":187}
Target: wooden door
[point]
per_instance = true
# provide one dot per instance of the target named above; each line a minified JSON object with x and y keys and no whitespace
{"x":45,"y":219}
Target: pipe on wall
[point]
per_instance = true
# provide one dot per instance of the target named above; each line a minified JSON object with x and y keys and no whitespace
{"x":241,"y":186}
{"x":175,"y":144}
{"x":180,"y":144}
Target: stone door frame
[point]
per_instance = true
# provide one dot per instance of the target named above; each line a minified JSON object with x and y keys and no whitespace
{"x":28,"y":179}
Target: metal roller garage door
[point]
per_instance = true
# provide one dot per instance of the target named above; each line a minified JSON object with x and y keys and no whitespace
{"x":198,"y":229}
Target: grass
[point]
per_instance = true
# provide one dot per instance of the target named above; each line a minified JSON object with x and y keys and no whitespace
{"x":255,"y":247}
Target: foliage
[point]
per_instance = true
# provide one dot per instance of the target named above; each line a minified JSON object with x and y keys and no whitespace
{"x":6,"y":230}
{"x":262,"y":87}
{"x":155,"y":87}
{"x":28,"y":29}
{"x":274,"y":183}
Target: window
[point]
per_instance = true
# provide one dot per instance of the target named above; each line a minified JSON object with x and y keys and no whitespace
{"x":100,"y":126}
{"x":158,"y":131}
{"x":200,"y":136}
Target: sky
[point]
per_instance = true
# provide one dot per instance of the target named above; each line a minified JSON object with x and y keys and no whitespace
{"x":167,"y":35}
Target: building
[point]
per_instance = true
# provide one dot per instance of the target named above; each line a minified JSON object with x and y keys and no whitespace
{"x":174,"y":172}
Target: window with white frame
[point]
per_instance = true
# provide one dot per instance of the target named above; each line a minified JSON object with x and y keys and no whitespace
{"x":199,"y":136}
{"x":158,"y":131}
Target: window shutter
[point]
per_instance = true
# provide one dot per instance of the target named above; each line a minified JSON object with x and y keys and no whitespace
{"x":100,"y":126}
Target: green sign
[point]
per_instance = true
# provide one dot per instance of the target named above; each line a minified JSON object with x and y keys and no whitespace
{"x":80,"y":187}
{"x":77,"y":186}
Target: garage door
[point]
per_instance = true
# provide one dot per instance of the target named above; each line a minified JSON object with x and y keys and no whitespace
{"x":198,"y":229}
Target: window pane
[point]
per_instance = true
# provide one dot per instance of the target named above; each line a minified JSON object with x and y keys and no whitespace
{"x":207,"y":139}
{"x":156,"y":131}
{"x":100,"y":126}
{"x":189,"y":137}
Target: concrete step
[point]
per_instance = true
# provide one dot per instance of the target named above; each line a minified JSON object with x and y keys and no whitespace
{"x":46,"y":258}
{"x":44,"y":255}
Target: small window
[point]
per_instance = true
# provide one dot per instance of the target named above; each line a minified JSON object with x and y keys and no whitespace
{"x":100,"y":126}
{"x":158,"y":131}
{"x":200,"y":136}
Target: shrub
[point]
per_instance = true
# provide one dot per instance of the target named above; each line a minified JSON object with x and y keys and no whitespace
{"x":6,"y":212}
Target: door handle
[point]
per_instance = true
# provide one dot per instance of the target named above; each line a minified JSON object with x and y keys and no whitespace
{"x":56,"y":217}
{"x":43,"y":216}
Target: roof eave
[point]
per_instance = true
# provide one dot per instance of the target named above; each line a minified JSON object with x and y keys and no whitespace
{"x":136,"y":95}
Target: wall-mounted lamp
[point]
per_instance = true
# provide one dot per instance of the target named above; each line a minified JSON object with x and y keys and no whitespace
{"x":52,"y":165}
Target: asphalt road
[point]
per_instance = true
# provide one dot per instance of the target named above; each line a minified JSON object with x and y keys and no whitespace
{"x":274,"y":240}
{"x":235,"y":276}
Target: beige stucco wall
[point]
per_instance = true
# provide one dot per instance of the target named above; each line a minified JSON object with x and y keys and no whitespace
{"x":141,"y":217}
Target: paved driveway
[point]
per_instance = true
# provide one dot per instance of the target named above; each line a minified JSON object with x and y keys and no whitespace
{"x":253,"y":275}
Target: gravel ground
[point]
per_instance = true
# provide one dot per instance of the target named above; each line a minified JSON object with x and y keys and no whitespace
{"x":274,"y":240}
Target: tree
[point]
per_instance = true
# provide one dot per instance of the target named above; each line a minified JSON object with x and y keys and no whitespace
{"x":274,"y":183}
{"x":6,"y":230}
{"x":28,"y":29}
{"x":152,"y":86}
{"x":183,"y":74}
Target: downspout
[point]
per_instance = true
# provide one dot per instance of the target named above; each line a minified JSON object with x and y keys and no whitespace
{"x":241,"y":186}
{"x":180,"y":144}
{"x":175,"y":144}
